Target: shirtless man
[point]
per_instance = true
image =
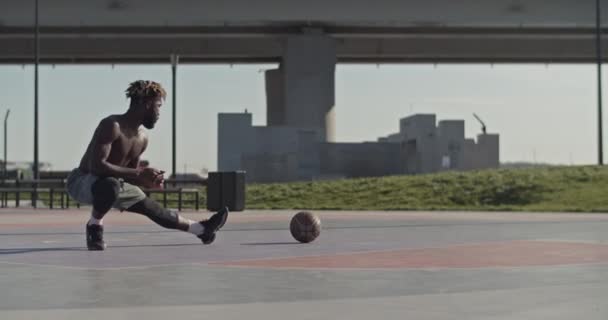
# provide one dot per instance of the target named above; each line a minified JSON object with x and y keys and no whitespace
{"x":109,"y":175}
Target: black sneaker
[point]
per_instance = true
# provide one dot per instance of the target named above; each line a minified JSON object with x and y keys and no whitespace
{"x":95,"y":237}
{"x":212,"y":225}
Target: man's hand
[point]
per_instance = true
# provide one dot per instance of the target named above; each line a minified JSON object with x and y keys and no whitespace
{"x":150,"y":177}
{"x":159,"y":181}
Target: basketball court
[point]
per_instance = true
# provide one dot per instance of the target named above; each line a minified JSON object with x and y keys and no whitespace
{"x":387,"y":265}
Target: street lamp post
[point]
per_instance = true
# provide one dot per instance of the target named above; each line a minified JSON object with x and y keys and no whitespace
{"x":5,"y":140}
{"x":174,"y":63}
{"x":36,"y":61}
{"x":598,"y":47}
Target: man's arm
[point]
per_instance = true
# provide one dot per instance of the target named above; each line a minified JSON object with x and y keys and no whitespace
{"x":107,"y":132}
{"x":134,"y":164}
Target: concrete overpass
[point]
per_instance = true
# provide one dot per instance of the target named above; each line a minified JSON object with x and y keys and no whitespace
{"x":132,"y":31}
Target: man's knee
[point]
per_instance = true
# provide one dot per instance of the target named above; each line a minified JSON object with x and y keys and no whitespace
{"x":105,"y":192}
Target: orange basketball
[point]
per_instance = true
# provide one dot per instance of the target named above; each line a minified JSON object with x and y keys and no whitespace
{"x":305,"y":226}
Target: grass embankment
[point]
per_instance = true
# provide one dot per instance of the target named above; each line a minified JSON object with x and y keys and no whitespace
{"x":581,"y":188}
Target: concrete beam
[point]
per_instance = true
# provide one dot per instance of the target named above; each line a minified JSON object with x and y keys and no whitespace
{"x":259,"y":45}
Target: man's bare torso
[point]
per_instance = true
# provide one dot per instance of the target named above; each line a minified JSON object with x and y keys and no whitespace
{"x":125,"y":150}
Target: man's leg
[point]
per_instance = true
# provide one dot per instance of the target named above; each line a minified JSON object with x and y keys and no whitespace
{"x":105,"y":192}
{"x":161,"y":216}
{"x":204,"y":230}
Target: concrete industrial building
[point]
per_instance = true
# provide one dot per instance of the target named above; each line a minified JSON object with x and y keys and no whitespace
{"x":428,"y":147}
{"x":280,"y":153}
{"x":298,"y":142}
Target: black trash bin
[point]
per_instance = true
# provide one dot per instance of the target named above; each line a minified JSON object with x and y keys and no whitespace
{"x":226,"y":188}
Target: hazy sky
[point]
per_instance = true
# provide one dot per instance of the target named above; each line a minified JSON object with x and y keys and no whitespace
{"x":543,"y":113}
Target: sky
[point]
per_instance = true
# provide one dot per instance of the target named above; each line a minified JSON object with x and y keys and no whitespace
{"x":543,"y":113}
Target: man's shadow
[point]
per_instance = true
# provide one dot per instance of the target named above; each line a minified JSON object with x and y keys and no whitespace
{"x":83,"y":248}
{"x":269,"y":243}
{"x":31,"y":250}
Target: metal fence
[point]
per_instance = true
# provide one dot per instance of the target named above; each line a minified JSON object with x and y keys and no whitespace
{"x":52,"y":193}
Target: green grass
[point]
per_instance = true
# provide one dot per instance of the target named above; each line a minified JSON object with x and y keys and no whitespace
{"x":573,"y":189}
{"x":536,"y":189}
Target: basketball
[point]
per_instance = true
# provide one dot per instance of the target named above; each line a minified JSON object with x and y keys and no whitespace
{"x":305,"y":226}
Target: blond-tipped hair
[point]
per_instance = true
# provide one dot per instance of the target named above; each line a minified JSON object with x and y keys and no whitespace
{"x":144,"y":89}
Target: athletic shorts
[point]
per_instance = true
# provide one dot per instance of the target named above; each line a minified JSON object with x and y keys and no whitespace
{"x":79,"y":188}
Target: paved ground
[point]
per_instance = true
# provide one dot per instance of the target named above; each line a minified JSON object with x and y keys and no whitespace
{"x":383,"y":265}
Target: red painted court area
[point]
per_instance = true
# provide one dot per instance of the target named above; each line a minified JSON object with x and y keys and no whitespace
{"x":505,"y":254}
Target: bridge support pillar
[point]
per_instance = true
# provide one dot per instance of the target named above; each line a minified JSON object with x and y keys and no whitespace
{"x":301,"y":92}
